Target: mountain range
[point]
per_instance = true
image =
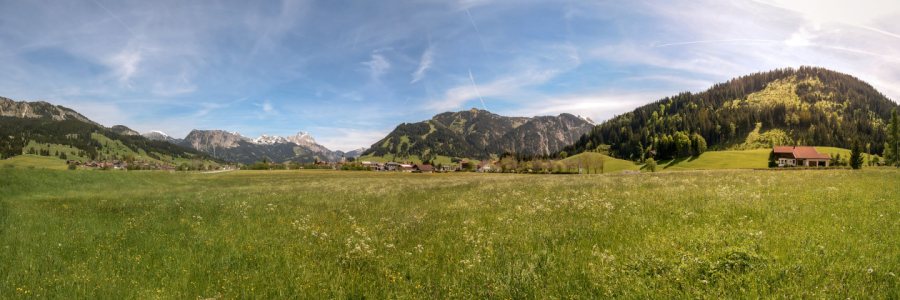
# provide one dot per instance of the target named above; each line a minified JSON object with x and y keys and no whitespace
{"x":233,"y":146}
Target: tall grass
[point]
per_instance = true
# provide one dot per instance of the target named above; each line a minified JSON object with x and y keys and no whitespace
{"x":355,"y":235}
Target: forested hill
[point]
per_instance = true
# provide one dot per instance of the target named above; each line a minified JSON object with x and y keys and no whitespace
{"x":22,"y":123}
{"x":807,"y":106}
{"x":479,"y":134}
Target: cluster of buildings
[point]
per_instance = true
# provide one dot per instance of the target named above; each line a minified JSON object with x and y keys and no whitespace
{"x":121,"y":164}
{"x":423,"y":168}
{"x":116,"y":164}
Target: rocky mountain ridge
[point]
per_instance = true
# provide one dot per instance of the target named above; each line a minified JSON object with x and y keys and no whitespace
{"x":480,"y":134}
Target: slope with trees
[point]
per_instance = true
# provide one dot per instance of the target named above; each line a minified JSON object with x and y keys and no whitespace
{"x":805,"y":106}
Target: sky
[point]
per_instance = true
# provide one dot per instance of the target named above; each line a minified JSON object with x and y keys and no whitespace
{"x":348,"y":72}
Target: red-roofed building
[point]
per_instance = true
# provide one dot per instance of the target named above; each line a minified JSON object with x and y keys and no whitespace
{"x":792,"y":156}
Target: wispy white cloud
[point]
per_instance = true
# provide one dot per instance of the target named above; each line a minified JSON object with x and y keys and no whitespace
{"x":529,"y":73}
{"x":424,"y":64}
{"x":377,"y":66}
{"x":598,"y":106}
{"x":347,"y":139}
{"x":509,"y":86}
{"x":125,"y":64}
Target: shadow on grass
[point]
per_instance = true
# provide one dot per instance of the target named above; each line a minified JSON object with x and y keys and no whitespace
{"x":674,"y":162}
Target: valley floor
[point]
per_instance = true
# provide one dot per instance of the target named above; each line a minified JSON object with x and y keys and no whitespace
{"x":325,"y":234}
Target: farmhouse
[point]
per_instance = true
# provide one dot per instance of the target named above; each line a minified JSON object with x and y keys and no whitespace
{"x":792,"y":156}
{"x":406,"y":168}
{"x":484,"y":166}
{"x":423,"y":168}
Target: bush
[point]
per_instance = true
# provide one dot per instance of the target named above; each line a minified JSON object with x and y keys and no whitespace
{"x":72,"y":167}
{"x":651,"y":165}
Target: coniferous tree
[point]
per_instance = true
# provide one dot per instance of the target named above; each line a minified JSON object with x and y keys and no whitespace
{"x":856,"y":159}
{"x":893,"y":144}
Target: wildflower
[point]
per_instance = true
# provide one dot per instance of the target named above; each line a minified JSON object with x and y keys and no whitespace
{"x":59,"y":245}
{"x":870,"y":271}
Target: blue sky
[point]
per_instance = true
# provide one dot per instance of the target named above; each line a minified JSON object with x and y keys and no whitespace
{"x":350,"y":71}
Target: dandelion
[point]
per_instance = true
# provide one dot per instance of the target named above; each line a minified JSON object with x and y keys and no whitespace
{"x":870,"y":271}
{"x":59,"y":245}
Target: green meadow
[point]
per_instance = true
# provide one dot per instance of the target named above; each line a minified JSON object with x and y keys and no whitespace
{"x":368,"y":235}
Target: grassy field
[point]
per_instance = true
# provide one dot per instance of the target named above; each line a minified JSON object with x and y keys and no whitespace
{"x":355,"y":235}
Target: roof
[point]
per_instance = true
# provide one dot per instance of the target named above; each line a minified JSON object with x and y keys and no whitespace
{"x":425,"y":167}
{"x":801,"y":152}
{"x":482,"y":164}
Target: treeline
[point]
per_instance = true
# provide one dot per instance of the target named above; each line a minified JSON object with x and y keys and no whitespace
{"x":833,"y":113}
{"x":296,"y":165}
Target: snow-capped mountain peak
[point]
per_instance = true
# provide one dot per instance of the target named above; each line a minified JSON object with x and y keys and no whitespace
{"x":160,"y":132}
{"x":266,"y":139}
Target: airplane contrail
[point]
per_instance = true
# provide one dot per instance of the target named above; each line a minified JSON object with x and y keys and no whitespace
{"x":114,"y":16}
{"x":476,"y":31}
{"x":476,"y":89}
{"x":719,"y":41}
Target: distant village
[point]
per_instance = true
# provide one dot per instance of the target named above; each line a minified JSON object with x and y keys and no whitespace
{"x":407,"y":167}
{"x":143,"y":165}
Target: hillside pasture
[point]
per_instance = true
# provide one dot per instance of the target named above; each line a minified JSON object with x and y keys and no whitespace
{"x":33,"y":161}
{"x":317,"y":234}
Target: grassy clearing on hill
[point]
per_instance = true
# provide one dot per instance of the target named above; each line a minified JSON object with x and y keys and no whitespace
{"x":613,"y":165}
{"x":25,"y":161}
{"x":327,"y":234}
{"x":747,"y":159}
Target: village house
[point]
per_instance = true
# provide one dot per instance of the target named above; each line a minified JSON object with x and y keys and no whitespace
{"x":405,"y":168}
{"x":792,"y":156}
{"x":483,"y":167}
{"x":423,"y":168}
{"x":462,"y":165}
{"x":446,"y":168}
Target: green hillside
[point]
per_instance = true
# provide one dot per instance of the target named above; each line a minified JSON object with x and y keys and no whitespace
{"x":88,"y":142}
{"x":807,"y":106}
